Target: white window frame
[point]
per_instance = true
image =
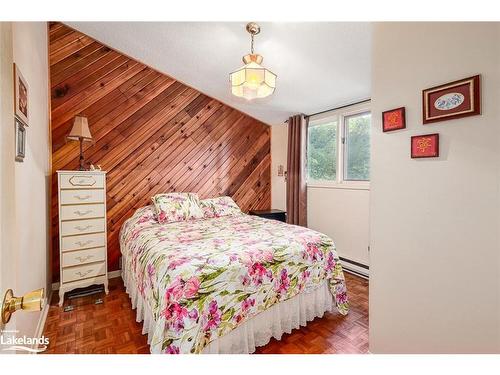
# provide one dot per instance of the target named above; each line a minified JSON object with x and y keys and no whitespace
{"x":340,"y":114}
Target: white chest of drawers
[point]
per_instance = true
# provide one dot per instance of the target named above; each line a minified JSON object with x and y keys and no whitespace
{"x":82,"y":230}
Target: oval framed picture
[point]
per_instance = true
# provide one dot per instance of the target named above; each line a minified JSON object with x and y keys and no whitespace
{"x":452,"y":100}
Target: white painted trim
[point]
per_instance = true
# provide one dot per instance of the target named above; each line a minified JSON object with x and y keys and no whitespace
{"x":111,"y":275}
{"x":114,"y":274}
{"x":355,"y":270}
{"x":346,"y":186}
{"x":344,"y":108}
{"x":43,"y":318}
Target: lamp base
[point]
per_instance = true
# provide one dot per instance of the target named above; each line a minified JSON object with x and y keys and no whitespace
{"x":82,"y":161}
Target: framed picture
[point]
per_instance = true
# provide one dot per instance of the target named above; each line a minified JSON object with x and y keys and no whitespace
{"x":21,"y":97}
{"x":20,"y":140}
{"x":425,"y":146}
{"x":394,"y":119}
{"x":452,"y":100}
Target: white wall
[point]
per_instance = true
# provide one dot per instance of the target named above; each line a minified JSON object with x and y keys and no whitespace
{"x":28,"y":211}
{"x":342,"y":214}
{"x":279,"y":147}
{"x":8,"y":243}
{"x":434,"y":261}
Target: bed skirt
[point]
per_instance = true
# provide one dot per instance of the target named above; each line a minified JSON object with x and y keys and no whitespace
{"x":257,"y":331}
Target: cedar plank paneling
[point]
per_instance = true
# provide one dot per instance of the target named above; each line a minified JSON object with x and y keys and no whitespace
{"x":100,"y":111}
{"x":73,"y":47}
{"x":77,"y":82}
{"x":152,"y":134}
{"x":75,"y":62}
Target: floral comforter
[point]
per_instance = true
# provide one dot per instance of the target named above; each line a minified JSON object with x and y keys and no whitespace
{"x":202,"y":278}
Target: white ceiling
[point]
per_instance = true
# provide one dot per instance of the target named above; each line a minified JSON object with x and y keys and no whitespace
{"x":319,"y":65}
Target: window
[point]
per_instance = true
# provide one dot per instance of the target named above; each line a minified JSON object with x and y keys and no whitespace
{"x":338,"y":147}
{"x":357,"y":147}
{"x":322,"y":151}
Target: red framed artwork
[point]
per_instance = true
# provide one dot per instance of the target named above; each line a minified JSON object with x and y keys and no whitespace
{"x":425,"y":146}
{"x":393,"y":119}
{"x":452,"y":100}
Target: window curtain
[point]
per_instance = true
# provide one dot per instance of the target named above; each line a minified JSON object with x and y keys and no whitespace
{"x":296,"y":189}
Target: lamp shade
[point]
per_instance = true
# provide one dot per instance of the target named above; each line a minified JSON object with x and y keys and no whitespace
{"x":252,"y":80}
{"x":80,"y":130}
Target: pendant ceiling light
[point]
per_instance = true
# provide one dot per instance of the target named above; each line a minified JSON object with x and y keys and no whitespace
{"x":252,"y":80}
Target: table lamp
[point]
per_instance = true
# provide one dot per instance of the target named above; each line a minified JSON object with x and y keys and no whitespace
{"x":80,"y":132}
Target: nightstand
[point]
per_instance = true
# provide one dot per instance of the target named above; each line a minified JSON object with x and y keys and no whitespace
{"x":270,"y":214}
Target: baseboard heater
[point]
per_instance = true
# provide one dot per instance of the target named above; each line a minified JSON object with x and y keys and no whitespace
{"x":354,"y":267}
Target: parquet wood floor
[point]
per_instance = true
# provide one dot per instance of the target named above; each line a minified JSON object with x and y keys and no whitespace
{"x":110,"y":328}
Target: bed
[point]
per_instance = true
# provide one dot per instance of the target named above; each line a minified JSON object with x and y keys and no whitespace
{"x":226,"y":284}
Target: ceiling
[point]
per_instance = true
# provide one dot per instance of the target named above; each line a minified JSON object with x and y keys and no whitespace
{"x":319,"y":65}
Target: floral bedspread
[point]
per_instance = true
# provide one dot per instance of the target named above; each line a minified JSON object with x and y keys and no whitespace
{"x":202,"y":278}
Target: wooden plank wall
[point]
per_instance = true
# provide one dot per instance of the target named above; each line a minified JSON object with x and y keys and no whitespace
{"x":152,"y":134}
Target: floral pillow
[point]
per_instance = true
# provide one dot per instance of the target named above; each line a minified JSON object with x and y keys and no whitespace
{"x":220,"y":206}
{"x":173,"y":207}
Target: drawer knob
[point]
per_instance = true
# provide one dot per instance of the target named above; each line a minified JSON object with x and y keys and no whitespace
{"x":83,"y":259}
{"x":82,"y":197}
{"x":80,"y":228}
{"x":82,"y":213}
{"x":83,"y":243}
{"x":83,"y":274}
